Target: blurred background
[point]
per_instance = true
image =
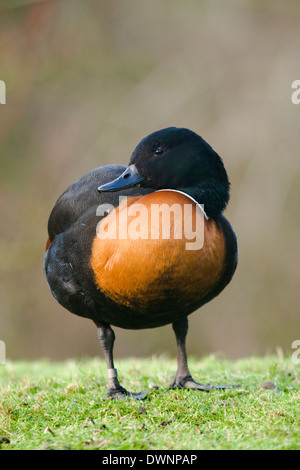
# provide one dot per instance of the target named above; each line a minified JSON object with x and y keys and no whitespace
{"x":86,"y":81}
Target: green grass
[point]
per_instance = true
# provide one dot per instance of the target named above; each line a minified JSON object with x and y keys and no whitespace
{"x":45,"y":405}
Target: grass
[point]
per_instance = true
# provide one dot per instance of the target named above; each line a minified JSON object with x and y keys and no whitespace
{"x":45,"y":405}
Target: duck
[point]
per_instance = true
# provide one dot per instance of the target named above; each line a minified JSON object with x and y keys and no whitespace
{"x":113,"y":259}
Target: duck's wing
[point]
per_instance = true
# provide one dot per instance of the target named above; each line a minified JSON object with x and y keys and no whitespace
{"x":83,"y":196}
{"x":80,"y":197}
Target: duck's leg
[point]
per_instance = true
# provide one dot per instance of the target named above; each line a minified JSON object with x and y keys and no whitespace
{"x":183,"y":376}
{"x":106,"y":337}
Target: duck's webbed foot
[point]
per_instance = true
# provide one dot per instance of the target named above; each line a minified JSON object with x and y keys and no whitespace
{"x":189,"y":382}
{"x":121,"y":393}
{"x":117,"y":392}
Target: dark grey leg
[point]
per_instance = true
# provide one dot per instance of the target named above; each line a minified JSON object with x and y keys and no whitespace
{"x":106,"y":338}
{"x":183,"y":376}
{"x":115,"y":390}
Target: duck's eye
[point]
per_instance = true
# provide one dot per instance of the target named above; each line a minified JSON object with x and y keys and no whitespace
{"x":159,"y":151}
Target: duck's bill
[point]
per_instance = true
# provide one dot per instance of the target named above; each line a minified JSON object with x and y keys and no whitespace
{"x":130,"y":177}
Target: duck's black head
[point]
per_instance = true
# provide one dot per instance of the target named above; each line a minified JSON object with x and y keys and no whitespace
{"x":177,"y":158}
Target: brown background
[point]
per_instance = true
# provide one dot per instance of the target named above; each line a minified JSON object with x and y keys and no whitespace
{"x":86,"y":80}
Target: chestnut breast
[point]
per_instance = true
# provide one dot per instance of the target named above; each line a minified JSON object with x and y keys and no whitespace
{"x":155,"y":248}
